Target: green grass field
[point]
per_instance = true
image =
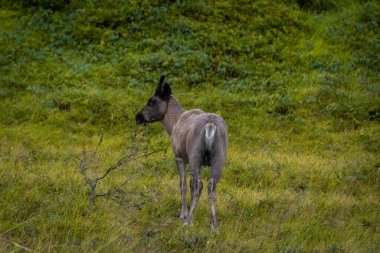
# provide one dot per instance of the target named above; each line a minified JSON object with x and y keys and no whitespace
{"x":298,"y":83}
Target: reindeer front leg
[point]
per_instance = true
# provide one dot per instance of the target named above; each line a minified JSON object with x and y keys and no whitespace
{"x":183,"y":186}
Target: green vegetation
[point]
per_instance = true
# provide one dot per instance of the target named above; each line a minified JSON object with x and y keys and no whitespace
{"x":298,"y":83}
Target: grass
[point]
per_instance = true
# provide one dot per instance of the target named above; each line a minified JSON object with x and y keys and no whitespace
{"x":296,"y":81}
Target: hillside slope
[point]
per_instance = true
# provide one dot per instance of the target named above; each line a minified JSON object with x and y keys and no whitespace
{"x":297,"y":82}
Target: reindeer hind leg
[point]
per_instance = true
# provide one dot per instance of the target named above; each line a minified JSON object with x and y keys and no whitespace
{"x":196,"y":186}
{"x":216,"y":169}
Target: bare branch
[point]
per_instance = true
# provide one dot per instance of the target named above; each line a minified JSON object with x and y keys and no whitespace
{"x":87,"y":160}
{"x":99,"y":143}
{"x":121,"y":161}
{"x":130,"y":157}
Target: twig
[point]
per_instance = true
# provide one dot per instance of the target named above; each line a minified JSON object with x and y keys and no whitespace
{"x":117,"y":165}
{"x":19,"y":246}
{"x":127,"y":158}
{"x":85,"y":164}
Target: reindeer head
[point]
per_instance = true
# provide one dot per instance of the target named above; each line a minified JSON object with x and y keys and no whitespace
{"x":157,"y":105}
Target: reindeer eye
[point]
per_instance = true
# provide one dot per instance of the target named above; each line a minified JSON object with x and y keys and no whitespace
{"x":151,"y":102}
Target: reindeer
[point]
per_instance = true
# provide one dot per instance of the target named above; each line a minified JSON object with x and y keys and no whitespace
{"x":197,"y":138}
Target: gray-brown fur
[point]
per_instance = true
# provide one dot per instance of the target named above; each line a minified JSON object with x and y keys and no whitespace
{"x":197,"y":138}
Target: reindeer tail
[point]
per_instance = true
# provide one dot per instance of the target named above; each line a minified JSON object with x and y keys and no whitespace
{"x":210,"y":135}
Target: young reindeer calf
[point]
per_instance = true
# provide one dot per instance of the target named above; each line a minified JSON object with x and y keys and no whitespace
{"x":197,"y":138}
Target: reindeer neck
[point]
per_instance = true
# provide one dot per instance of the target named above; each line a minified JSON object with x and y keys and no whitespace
{"x":172,"y":115}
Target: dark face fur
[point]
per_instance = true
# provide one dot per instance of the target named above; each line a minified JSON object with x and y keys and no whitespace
{"x":157,"y":105}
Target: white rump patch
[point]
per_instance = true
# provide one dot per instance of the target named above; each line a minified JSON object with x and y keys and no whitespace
{"x":210,"y":134}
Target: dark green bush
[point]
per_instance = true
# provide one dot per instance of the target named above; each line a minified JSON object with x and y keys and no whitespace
{"x":45,"y":4}
{"x":318,"y":5}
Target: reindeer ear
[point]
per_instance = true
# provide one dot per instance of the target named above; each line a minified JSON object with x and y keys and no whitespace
{"x":166,"y":91}
{"x":159,"y":85}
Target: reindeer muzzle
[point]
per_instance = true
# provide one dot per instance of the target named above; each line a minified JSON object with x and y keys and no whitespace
{"x":140,"y":119}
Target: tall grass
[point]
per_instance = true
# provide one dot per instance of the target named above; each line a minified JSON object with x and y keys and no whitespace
{"x":296,"y":81}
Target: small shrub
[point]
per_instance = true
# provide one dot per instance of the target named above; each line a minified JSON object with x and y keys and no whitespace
{"x":317,"y":5}
{"x":45,"y":4}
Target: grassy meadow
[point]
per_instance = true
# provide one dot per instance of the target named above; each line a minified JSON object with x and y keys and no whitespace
{"x":298,"y":83}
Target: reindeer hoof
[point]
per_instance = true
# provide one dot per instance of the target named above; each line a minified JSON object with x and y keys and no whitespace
{"x":188,"y":223}
{"x":214,"y":228}
{"x":184,"y":214}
